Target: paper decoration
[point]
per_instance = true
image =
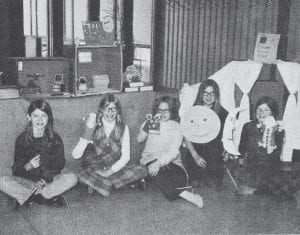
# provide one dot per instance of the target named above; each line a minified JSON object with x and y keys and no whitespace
{"x":95,"y":34}
{"x":85,"y":57}
{"x":266,"y":47}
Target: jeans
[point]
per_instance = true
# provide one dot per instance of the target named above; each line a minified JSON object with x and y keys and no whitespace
{"x":21,"y":188}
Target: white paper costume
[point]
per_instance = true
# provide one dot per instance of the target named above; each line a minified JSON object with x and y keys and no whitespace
{"x":290,"y":73}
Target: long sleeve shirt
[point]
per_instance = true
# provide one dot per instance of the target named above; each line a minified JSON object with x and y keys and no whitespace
{"x":51,"y":152}
{"x":165,"y":146}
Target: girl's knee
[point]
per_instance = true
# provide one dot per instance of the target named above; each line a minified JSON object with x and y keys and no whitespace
{"x":71,"y":178}
{"x":4,"y":180}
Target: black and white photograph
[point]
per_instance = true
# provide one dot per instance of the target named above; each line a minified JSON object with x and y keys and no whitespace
{"x":149,"y":117}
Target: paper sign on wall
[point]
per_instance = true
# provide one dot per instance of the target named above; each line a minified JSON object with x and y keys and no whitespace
{"x":85,"y":57}
{"x":266,"y":47}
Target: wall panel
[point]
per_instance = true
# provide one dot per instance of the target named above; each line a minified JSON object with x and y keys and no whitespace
{"x":201,"y":36}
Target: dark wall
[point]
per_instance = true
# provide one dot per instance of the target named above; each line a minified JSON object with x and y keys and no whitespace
{"x":127,"y":34}
{"x":58,"y":28}
{"x":11,"y":28}
{"x":17,"y":39}
{"x":4,"y":29}
{"x":158,"y":46}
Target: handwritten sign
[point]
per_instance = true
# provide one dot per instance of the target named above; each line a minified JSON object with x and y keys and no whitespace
{"x":85,"y":57}
{"x":266,"y":47}
{"x":94,"y":33}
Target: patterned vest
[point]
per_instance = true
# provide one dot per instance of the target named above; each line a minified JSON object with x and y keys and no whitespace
{"x":103,"y":153}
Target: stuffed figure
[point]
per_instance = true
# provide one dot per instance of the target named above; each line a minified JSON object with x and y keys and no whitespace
{"x":90,"y":124}
{"x":132,"y":74}
{"x":82,"y":84}
{"x":267,"y":134}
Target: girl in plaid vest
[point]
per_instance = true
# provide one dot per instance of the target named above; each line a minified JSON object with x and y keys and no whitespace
{"x":104,"y":149}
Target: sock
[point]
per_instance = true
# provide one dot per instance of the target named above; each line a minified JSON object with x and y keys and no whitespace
{"x":193,"y":198}
{"x":79,"y":148}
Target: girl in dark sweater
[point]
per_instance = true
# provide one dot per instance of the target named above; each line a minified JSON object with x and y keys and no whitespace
{"x":260,"y":146}
{"x":38,"y":161}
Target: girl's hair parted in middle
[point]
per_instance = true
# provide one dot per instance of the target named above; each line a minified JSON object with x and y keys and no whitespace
{"x":120,"y":124}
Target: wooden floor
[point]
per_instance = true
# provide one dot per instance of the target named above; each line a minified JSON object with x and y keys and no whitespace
{"x":132,"y":211}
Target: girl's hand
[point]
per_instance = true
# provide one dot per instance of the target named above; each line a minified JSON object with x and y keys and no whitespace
{"x":39,"y":186}
{"x":280,"y":125}
{"x":147,"y":159}
{"x":199,"y":160}
{"x":146,"y":127}
{"x":104,"y":173}
{"x":153,"y":168}
{"x":33,"y":163}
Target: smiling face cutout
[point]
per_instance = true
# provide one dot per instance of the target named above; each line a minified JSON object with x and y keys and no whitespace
{"x":200,"y":124}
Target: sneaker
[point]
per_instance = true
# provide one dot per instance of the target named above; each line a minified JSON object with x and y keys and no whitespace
{"x":193,"y":198}
{"x":58,"y":201}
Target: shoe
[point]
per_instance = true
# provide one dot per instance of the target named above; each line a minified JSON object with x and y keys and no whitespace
{"x":17,"y":205}
{"x":58,"y":201}
{"x":36,"y":198}
{"x":140,"y":184}
{"x":8,"y":203}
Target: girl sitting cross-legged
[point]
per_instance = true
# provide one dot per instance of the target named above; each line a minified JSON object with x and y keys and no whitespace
{"x":38,"y":162}
{"x":104,"y":150}
{"x":161,"y":154}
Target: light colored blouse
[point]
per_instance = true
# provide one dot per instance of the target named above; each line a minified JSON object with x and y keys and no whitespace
{"x":164,"y":146}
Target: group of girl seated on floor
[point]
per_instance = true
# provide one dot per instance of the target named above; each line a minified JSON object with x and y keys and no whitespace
{"x":104,"y":152}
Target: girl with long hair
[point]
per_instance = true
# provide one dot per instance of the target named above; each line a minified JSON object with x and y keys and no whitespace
{"x":104,"y":149}
{"x":204,"y":161}
{"x":38,"y":162}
